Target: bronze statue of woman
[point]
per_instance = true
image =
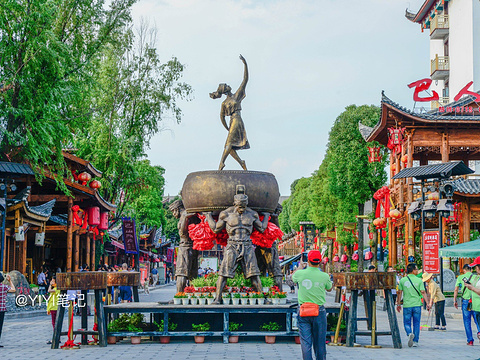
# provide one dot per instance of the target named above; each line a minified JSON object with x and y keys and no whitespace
{"x":231,"y":106}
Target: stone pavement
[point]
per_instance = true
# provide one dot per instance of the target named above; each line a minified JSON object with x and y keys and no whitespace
{"x":25,"y":338}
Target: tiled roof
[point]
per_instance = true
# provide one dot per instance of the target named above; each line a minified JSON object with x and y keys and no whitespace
{"x":467,"y":186}
{"x":59,"y":219}
{"x":365,"y":130}
{"x":44,"y":210}
{"x":14,"y":169}
{"x":435,"y":171}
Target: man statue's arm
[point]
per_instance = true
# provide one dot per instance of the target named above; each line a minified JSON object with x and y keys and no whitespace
{"x":216,"y":226}
{"x":261,"y":225}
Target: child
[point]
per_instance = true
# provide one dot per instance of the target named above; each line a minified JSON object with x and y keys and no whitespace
{"x":52,"y":303}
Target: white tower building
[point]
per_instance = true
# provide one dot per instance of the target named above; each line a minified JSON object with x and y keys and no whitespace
{"x":454,"y":27}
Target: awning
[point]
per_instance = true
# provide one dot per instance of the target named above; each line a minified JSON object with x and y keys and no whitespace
{"x":289,"y":260}
{"x":414,"y":206}
{"x":117,"y":244}
{"x":469,"y":249}
{"x":435,"y":171}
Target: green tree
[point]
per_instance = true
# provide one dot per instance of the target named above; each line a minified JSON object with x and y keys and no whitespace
{"x":49,"y":49}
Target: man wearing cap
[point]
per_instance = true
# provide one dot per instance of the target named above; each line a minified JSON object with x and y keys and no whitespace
{"x":474,"y":286}
{"x":312,"y":286}
{"x":412,"y":289}
{"x":239,"y":221}
{"x":466,"y":296}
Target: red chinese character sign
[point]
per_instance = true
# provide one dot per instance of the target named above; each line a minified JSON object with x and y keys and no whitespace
{"x":423,"y":85}
{"x":129,"y":236}
{"x":431,"y":260}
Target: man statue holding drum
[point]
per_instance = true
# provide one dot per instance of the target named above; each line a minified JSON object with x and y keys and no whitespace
{"x":239,"y":221}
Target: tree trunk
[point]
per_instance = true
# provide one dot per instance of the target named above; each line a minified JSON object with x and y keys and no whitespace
{"x":360,"y":237}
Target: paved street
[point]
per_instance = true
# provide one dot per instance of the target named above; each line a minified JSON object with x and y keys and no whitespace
{"x":25,"y":338}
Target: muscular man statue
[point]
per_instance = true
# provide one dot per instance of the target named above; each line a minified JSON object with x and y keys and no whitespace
{"x":239,"y":221}
{"x":267,"y":258}
{"x":187,"y":258}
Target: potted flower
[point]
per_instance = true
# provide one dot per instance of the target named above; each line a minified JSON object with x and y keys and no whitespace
{"x":275,"y":298}
{"x":134,"y":326}
{"x":189,"y":290}
{"x":201,"y":328}
{"x":193,"y":300}
{"x":259,"y":298}
{"x":210,"y":298}
{"x":282,"y":296}
{"x":233,"y":326}
{"x":202,"y":300}
{"x":267,"y":283}
{"x":271,"y":326}
{"x":177,"y":298}
{"x":198,"y":284}
{"x":268,"y":298}
{"x":171,"y":327}
{"x":226,"y":298}
{"x":116,"y":325}
{"x":184,"y":297}
{"x":332,"y":321}
{"x":236,"y":298}
{"x":244,"y":299}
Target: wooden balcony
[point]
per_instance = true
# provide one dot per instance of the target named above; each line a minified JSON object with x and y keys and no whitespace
{"x":440,"y":102}
{"x":440,"y":68}
{"x":439,"y":27}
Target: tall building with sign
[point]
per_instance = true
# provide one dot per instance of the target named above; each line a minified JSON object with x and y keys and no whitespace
{"x":454,"y":28}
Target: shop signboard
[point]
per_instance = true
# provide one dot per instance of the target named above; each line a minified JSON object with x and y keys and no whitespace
{"x":431,"y":243}
{"x":129,"y":236}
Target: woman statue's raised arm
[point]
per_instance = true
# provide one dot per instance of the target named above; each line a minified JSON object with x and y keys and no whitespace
{"x":241,"y":90}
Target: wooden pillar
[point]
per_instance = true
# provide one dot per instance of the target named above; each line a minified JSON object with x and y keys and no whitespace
{"x":77,"y":252}
{"x":87,"y":251}
{"x":93,"y":266}
{"x":445,"y":148}
{"x":409,"y":233}
{"x":23,"y":258}
{"x":69,"y":234}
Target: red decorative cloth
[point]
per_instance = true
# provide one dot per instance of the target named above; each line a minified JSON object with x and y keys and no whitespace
{"x":202,"y":236}
{"x":266,"y":240}
{"x":77,"y":220}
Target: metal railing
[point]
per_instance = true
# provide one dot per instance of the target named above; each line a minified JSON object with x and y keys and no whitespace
{"x":439,"y":22}
{"x":441,"y":63}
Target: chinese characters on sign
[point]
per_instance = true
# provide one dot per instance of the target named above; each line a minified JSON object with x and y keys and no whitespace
{"x":431,"y":261}
{"x":424,"y":85}
{"x":129,"y":236}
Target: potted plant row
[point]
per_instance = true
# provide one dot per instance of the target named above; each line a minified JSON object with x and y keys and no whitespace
{"x":127,"y":323}
{"x":200,"y":328}
{"x":233,"y":326}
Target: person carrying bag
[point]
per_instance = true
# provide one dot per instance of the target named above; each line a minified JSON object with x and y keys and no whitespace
{"x":312,"y":317}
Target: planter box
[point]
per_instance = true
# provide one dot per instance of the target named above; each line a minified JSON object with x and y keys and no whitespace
{"x":177,"y":301}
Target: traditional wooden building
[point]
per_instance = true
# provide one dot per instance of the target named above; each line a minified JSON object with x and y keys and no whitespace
{"x":439,"y":136}
{"x":71,"y":224}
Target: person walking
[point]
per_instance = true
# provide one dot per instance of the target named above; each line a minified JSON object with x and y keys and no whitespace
{"x":436,"y":296}
{"x":52,"y":303}
{"x":42,"y":283}
{"x":312,"y":327}
{"x":3,"y":298}
{"x":474,"y":286}
{"x":290,"y":282}
{"x":154,"y":273}
{"x":412,"y":289}
{"x":466,"y":296}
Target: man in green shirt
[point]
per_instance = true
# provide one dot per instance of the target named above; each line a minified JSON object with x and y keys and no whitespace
{"x":474,"y":286}
{"x":412,"y":289}
{"x":466,"y":296}
{"x":312,"y":286}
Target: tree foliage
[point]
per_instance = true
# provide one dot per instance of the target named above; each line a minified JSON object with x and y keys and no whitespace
{"x":330,"y":197}
{"x":49,"y":49}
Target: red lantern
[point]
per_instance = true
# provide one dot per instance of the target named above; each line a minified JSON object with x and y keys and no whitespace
{"x":369,"y":256}
{"x":84,"y":177}
{"x":93,"y":216}
{"x":301,"y":227}
{"x":345,"y":248}
{"x":374,"y":154}
{"x":103,"y":221}
{"x":384,"y":243}
{"x":384,"y":234}
{"x":344,"y":258}
{"x":355,"y":257}
{"x":336,"y":258}
{"x":404,"y":159}
{"x":370,"y":236}
{"x":355,"y":247}
{"x":95,"y":184}
{"x":325,"y":260}
{"x":395,"y":139}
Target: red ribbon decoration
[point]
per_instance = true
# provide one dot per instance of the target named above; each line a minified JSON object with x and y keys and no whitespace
{"x":77,"y":220}
{"x":382,"y":196}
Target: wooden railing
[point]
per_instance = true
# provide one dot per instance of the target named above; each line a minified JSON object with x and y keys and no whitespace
{"x":439,"y":63}
{"x":439,"y":22}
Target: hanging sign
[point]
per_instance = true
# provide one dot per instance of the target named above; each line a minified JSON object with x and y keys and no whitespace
{"x":431,"y":243}
{"x":129,"y":236}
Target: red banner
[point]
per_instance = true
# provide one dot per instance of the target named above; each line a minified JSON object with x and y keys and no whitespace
{"x":431,"y":260}
{"x":129,"y":236}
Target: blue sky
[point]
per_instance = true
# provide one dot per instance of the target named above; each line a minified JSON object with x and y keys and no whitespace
{"x":308,"y":60}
